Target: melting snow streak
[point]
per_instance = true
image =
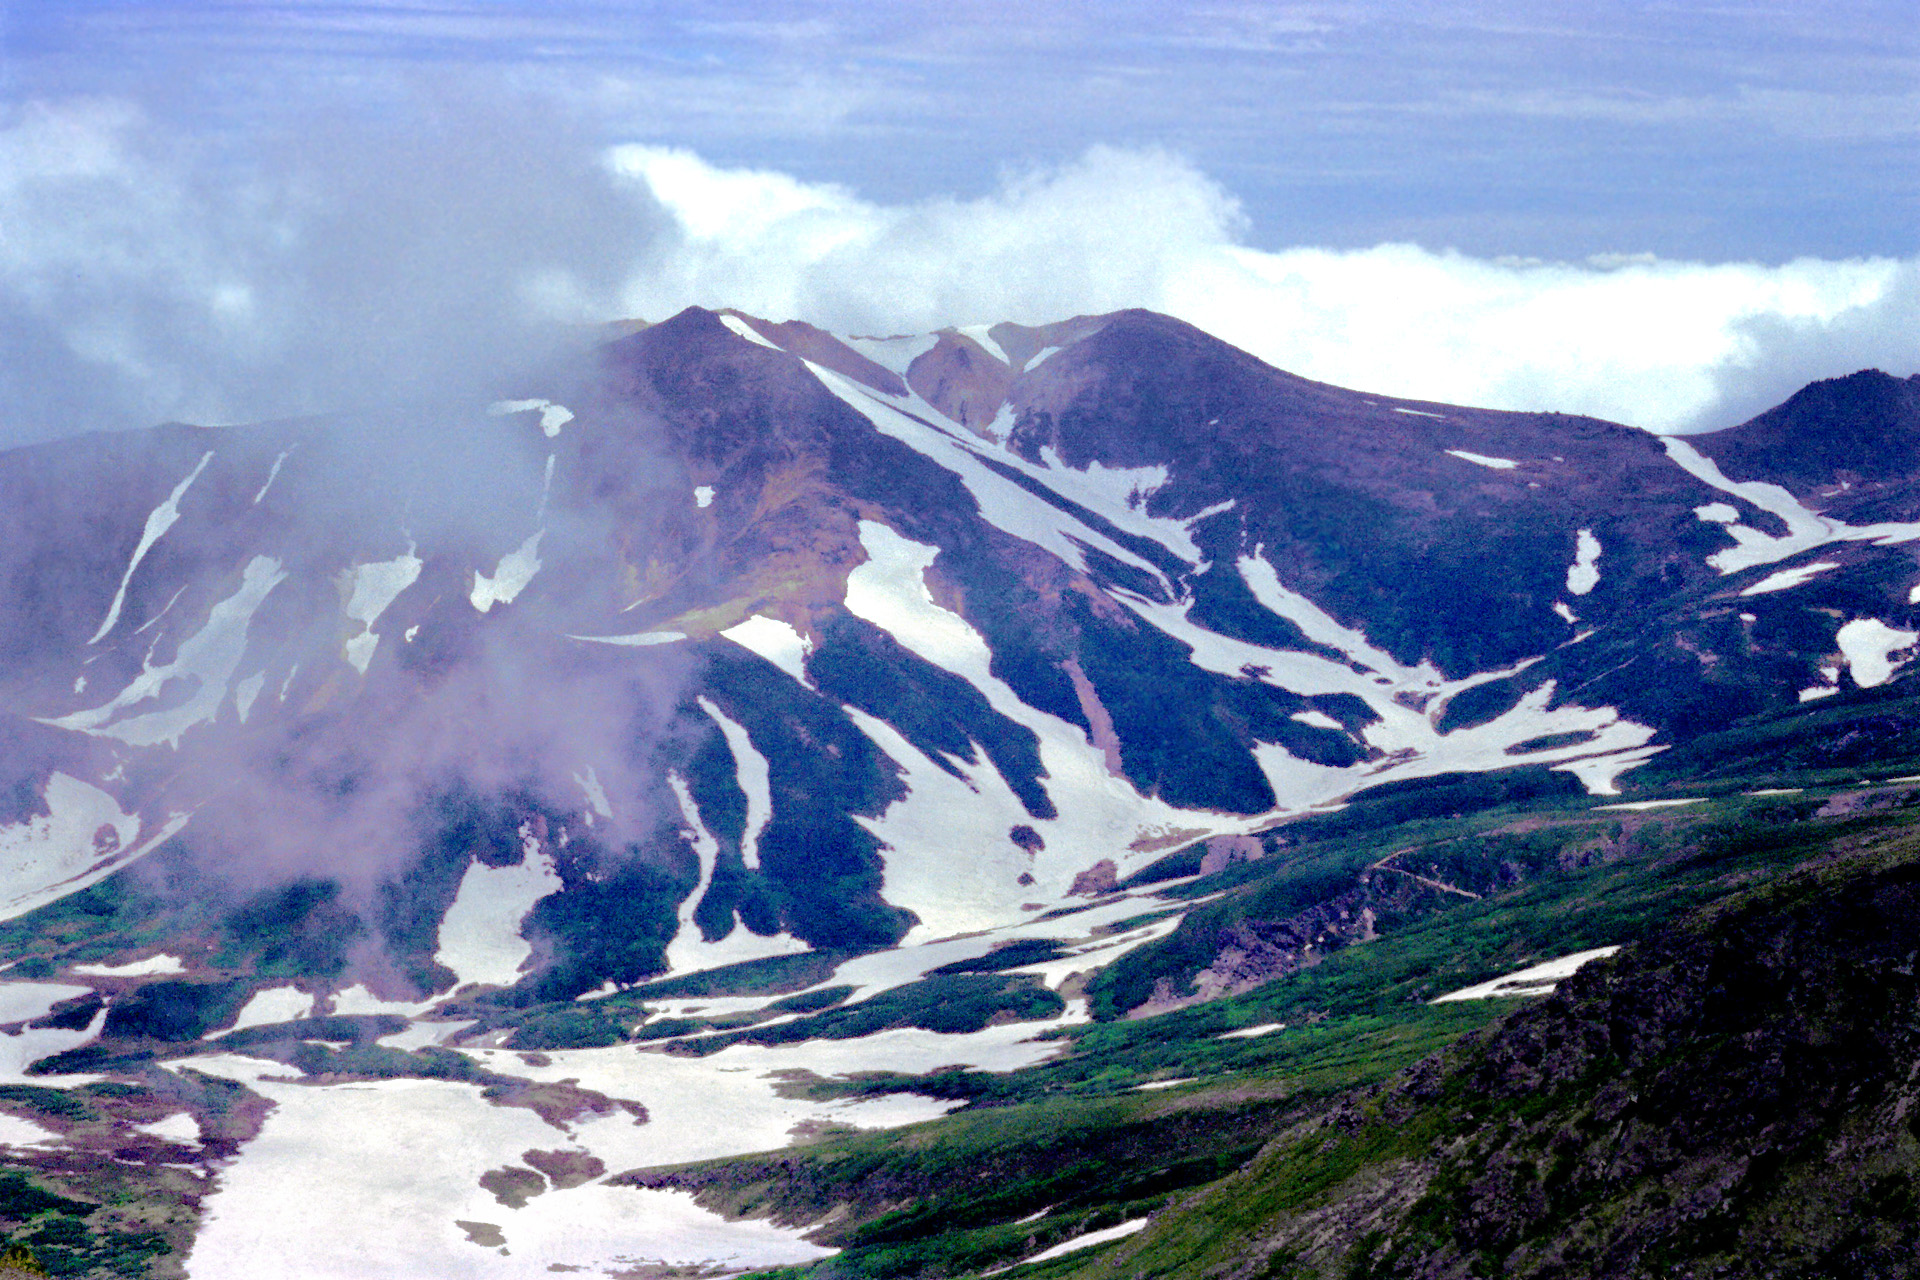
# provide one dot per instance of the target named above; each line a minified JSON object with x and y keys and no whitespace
{"x":159,"y":520}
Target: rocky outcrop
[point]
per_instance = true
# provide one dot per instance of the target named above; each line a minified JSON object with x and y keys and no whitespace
{"x":1740,"y":1098}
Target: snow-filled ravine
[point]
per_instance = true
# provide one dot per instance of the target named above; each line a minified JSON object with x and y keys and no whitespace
{"x":390,"y":1171}
{"x":1408,"y":701}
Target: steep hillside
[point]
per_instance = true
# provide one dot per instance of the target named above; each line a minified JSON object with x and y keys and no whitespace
{"x":752,"y":734}
{"x":1731,"y":1098}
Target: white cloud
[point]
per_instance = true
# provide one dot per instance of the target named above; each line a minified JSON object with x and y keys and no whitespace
{"x":1662,"y":344}
{"x":143,"y":276}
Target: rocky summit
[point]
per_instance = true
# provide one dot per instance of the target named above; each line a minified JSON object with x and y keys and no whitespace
{"x":1058,"y":800}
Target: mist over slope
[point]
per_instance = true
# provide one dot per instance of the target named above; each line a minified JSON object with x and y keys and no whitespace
{"x":831,"y":703}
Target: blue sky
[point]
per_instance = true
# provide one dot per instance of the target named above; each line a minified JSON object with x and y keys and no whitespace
{"x":1697,"y":130}
{"x":259,"y":178}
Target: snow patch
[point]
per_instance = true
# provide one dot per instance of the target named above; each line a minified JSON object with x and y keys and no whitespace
{"x":639,"y":640}
{"x":552,"y":416}
{"x":897,"y":353}
{"x":381,"y":1200}
{"x":510,"y":576}
{"x":246,"y":692}
{"x":208,"y":657}
{"x":689,"y":951}
{"x":180,"y":1127}
{"x":274,"y":1005}
{"x":1641,"y":806}
{"x":703,"y":496}
{"x":778,"y":642}
{"x":1805,"y":529}
{"x":84,"y":837}
{"x":1318,"y":719}
{"x":1785,"y":578}
{"x":596,"y":794}
{"x":365,"y":592}
{"x":1420,"y":413}
{"x":1105,"y":1235}
{"x":159,"y":520}
{"x":1717,"y":513}
{"x":480,"y":934}
{"x":747,"y":331}
{"x":1565,"y":611}
{"x":1478,"y":459}
{"x":135,"y":969}
{"x":273,"y":473}
{"x":18,"y":1131}
{"x":1584,"y":574}
{"x":1535,"y":980}
{"x":754,"y":776}
{"x":1002,"y":503}
{"x":945,"y":817}
{"x":1869,"y":645}
{"x":1250,"y":1033}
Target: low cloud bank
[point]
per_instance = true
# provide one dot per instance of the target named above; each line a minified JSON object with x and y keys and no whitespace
{"x":1670,"y":346}
{"x":148,"y":275}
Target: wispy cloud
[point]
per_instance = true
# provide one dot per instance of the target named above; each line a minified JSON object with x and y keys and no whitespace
{"x":143,"y":277}
{"x":1662,"y":344}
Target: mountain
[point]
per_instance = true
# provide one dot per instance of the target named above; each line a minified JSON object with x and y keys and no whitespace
{"x":603,"y":778}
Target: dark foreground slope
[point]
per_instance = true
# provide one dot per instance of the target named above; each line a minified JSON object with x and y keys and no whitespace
{"x":1733,"y":1099}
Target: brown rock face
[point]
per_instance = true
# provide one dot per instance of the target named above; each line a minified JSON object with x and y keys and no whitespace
{"x":1101,"y":877}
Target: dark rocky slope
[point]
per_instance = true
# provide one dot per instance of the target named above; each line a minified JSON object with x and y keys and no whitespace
{"x":1734,"y":1099}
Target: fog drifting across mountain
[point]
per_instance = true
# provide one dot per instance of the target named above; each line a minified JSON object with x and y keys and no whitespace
{"x":338,"y":262}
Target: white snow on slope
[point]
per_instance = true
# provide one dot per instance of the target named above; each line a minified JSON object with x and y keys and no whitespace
{"x":552,"y":416}
{"x":159,"y":520}
{"x":136,"y":969}
{"x":638,"y":640}
{"x":246,"y":692}
{"x":180,"y":1127}
{"x":1406,"y":733}
{"x":1805,"y":529}
{"x":388,"y":1207}
{"x":1119,"y":495}
{"x":84,"y":837}
{"x":208,"y":657}
{"x":1100,"y":815}
{"x":1782,"y":579}
{"x":1583,"y":575}
{"x":979,"y":333}
{"x":1869,"y":645}
{"x":1002,"y":503}
{"x":274,"y":1004}
{"x":1318,"y":719}
{"x":1418,"y":413}
{"x":510,"y":576}
{"x":689,"y":952}
{"x":1254,"y":1032}
{"x":18,"y":1131}
{"x":595,"y":793}
{"x":747,"y":331}
{"x":1643,"y":806}
{"x":778,"y":642}
{"x":703,"y":495}
{"x":480,"y":934}
{"x":754,"y":776}
{"x":1478,"y":459}
{"x":273,"y":473}
{"x":23,"y":1049}
{"x":365,"y":592}
{"x":29,"y":1001}
{"x":897,"y":354}
{"x":1535,"y":980}
{"x":1106,"y":1235}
